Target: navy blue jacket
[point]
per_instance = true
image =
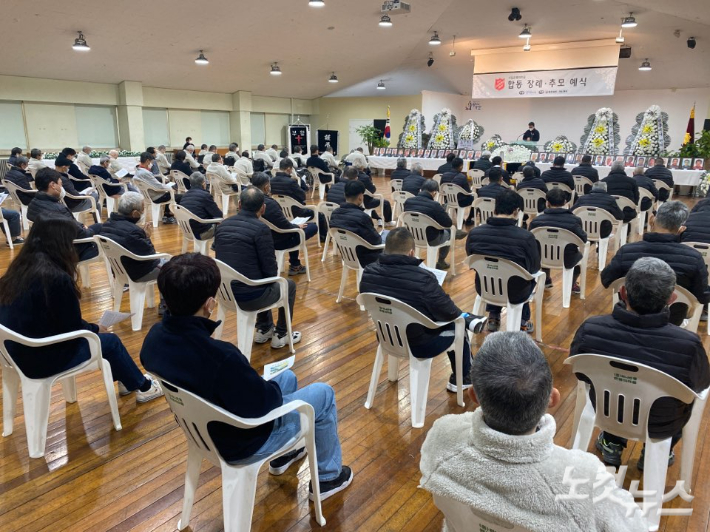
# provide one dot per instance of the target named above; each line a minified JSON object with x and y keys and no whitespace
{"x":23,"y":180}
{"x":200,"y":203}
{"x":646,"y":182}
{"x":563,"y":219}
{"x":503,"y":171}
{"x":558,"y":175}
{"x":124,"y":231}
{"x":400,"y":173}
{"x":661,"y":173}
{"x":601,"y":200}
{"x":275,"y":216}
{"x":619,"y":184}
{"x":586,"y":170}
{"x":413,"y":183}
{"x":537,"y":183}
{"x":353,"y":218}
{"x":316,"y":162}
{"x":460,"y":179}
{"x":697,"y":227}
{"x":491,"y":190}
{"x":423,"y":203}
{"x":336,"y":193}
{"x":105,"y":174}
{"x":285,"y":185}
{"x":482,"y":164}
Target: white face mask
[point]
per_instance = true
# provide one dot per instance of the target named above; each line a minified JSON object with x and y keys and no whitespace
{"x":62,"y":193}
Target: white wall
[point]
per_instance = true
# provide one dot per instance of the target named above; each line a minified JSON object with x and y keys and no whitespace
{"x":568,"y":116}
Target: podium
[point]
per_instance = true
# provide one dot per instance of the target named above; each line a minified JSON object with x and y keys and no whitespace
{"x":527,"y":143}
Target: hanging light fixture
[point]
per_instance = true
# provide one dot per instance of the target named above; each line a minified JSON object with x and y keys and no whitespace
{"x":80,"y":43}
{"x":435,"y":41}
{"x":275,"y":69}
{"x":629,"y":22}
{"x":201,"y":59}
{"x":645,"y":66}
{"x":385,"y":21}
{"x":620,"y":39}
{"x":381,"y":86}
{"x":316,"y":3}
{"x":527,"y":46}
{"x":333,"y":78}
{"x":525,"y":34}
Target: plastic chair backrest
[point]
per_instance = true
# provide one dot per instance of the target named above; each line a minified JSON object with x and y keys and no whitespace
{"x":580,"y":182}
{"x":476,"y":176}
{"x":552,"y":245}
{"x":400,"y":196}
{"x":644,"y":193}
{"x":557,"y":184}
{"x":347,"y":242}
{"x":396,"y":184}
{"x":486,"y":207}
{"x":624,"y":202}
{"x":460,"y":517}
{"x":143,"y":188}
{"x":625,"y":392}
{"x":417,"y":224}
{"x":287,"y":204}
{"x":180,"y":178}
{"x":517,"y":176}
{"x":703,"y":249}
{"x":326,"y":208}
{"x":662,"y":185}
{"x":113,"y":251}
{"x":592,"y":218}
{"x":183,"y":217}
{"x":450,"y":191}
{"x":493,"y":275}
{"x":437,"y":178}
{"x":531,"y":198}
{"x":12,"y":189}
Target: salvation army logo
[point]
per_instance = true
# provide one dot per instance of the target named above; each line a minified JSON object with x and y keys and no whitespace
{"x":499,"y":84}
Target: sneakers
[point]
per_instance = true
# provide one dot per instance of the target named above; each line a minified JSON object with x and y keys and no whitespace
{"x":442,"y":265}
{"x":451,"y":385}
{"x":391,"y":223}
{"x":639,"y":464}
{"x":528,"y":327}
{"x":493,"y":324}
{"x":122,"y":390}
{"x":282,"y":463}
{"x":460,"y":234}
{"x":297,"y":270}
{"x":576,"y":289}
{"x":470,"y":221}
{"x":611,"y":452}
{"x":18,"y":240}
{"x":380,"y":223}
{"x":169,"y":220}
{"x":548,"y":284}
{"x":476,"y":323}
{"x":261,"y":337}
{"x":153,"y":392}
{"x":331,"y":487}
{"x":277,"y":342}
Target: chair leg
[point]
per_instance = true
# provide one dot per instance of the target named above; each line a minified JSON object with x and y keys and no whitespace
{"x":184,"y":245}
{"x":238,"y":494}
{"x":459,"y":218}
{"x":419,"y":370}
{"x":107,"y":375}
{"x":376,"y":370}
{"x":584,"y":265}
{"x":150,"y":294}
{"x":690,"y":440}
{"x":136,"y":293}
{"x":25,"y":221}
{"x":477,"y":304}
{"x":69,"y":389}
{"x":325,"y":247}
{"x":304,"y":248}
{"x":280,"y":261}
{"x":431,"y":256}
{"x":117,"y":293}
{"x":585,"y":425}
{"x":343,"y":280}
{"x":246,"y":321}
{"x":602,"y":248}
{"x":289,"y":326}
{"x":221,"y":314}
{"x":8,"y":237}
{"x":225,"y":204}
{"x":654,"y":479}
{"x":567,"y":275}
{"x":515,"y":315}
{"x":10,"y":388}
{"x":35,"y":397}
{"x":310,"y":442}
{"x":358,"y":278}
{"x":84,"y":275}
{"x":321,"y":191}
{"x":192,"y":477}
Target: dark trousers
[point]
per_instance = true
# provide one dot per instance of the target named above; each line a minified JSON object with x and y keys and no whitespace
{"x":386,"y":209}
{"x":13,"y":222}
{"x":322,"y":222}
{"x":440,"y":344}
{"x":264,"y":320}
{"x":310,"y":230}
{"x":444,"y":236}
{"x":122,"y":366}
{"x":166,"y":197}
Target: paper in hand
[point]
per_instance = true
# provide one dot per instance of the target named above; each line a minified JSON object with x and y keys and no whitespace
{"x":275,"y":368}
{"x":300,"y":220}
{"x":122,"y":173}
{"x":110,"y":318}
{"x":171,"y":184}
{"x":439,"y":274}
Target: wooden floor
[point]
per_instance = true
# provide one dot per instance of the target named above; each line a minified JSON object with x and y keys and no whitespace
{"x":96,"y":479}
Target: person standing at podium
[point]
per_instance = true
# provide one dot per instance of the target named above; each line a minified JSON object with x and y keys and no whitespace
{"x":532,"y":134}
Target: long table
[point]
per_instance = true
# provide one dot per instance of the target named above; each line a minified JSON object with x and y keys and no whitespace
{"x":390,"y":163}
{"x":689,"y":178}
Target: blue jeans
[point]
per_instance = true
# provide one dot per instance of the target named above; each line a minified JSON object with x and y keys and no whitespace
{"x":13,"y":221}
{"x":122,"y":366}
{"x":322,"y":398}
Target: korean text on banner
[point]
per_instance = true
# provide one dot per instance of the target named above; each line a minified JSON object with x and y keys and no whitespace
{"x":546,"y":83}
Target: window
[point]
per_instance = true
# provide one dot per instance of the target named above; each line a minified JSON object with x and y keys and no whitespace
{"x":215,"y":128}
{"x":155,"y":127}
{"x":96,"y":126}
{"x":258,"y":130}
{"x":12,"y":132}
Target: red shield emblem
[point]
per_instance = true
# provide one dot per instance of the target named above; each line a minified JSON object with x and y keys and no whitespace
{"x":499,"y":84}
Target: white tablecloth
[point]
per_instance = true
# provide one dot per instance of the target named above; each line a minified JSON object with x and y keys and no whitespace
{"x":129,"y":163}
{"x":390,"y":163}
{"x":689,"y":178}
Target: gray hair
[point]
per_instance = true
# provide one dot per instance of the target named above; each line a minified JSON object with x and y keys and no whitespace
{"x":86,"y":148}
{"x":417,"y":168}
{"x":672,"y":215}
{"x":22,"y":160}
{"x":599,"y":185}
{"x":104,"y":159}
{"x":129,"y":202}
{"x":232,"y":146}
{"x":512,"y":381}
{"x":113,"y":153}
{"x":430,"y":186}
{"x":161,"y":147}
{"x":649,"y":285}
{"x":617,"y":166}
{"x":486,"y":155}
{"x":190,"y":148}
{"x":639,"y":170}
{"x":196,"y":179}
{"x":401,"y":163}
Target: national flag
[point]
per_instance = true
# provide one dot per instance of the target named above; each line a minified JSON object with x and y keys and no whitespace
{"x":690,"y":131}
{"x":387,"y":125}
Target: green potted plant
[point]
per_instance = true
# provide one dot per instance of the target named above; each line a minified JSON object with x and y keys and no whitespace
{"x":372,"y":137}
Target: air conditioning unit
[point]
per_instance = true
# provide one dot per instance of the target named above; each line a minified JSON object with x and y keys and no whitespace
{"x":395,"y":7}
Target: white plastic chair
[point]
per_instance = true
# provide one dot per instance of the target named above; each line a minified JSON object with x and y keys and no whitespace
{"x":460,"y":517}
{"x":627,"y":228}
{"x":138,"y":291}
{"x":183,"y":218}
{"x":517,"y":177}
{"x":643,"y":214}
{"x":399,"y":197}
{"x":396,"y":184}
{"x":315,"y":174}
{"x":380,"y":208}
{"x":216,"y":182}
{"x":437,"y":178}
{"x":84,"y":169}
{"x":180,"y":180}
{"x":83,"y":265}
{"x":625,"y":392}
{"x":287,"y":204}
{"x":301,"y":246}
{"x":36,"y":393}
{"x":417,"y":224}
{"x":704,"y":250}
{"x":662,"y":185}
{"x":592,"y":218}
{"x":6,"y":228}
{"x":484,"y":208}
{"x":493,"y":274}
{"x":476,"y":178}
{"x":450,"y":192}
{"x":552,"y":255}
{"x":155,"y":208}
{"x":531,"y":197}
{"x":98,"y":182}
{"x":579,"y":183}
{"x":239,"y":480}
{"x":90,"y":209}
{"x":391,"y":318}
{"x":246,"y":319}
{"x":347,"y":242}
{"x":325,"y":208}
{"x":485,"y":181}
{"x":13,"y":189}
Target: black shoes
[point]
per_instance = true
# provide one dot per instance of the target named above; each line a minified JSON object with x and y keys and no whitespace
{"x":282,"y":463}
{"x":451,"y":385}
{"x":331,"y":487}
{"x":611,"y":452}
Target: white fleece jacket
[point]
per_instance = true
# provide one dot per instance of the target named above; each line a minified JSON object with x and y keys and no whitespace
{"x":516,"y":478}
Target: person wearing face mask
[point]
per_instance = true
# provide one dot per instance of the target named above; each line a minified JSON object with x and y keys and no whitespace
{"x":62,"y":165}
{"x":532,"y":134}
{"x":127,"y":228}
{"x":46,"y":205}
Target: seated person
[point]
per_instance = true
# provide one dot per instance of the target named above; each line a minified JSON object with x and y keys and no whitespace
{"x":457,"y":177}
{"x":232,"y":155}
{"x":84,"y":157}
{"x":101,"y":170}
{"x":180,"y":349}
{"x":275,"y":216}
{"x":15,"y":153}
{"x":397,"y":274}
{"x":287,"y":183}
{"x":414,"y":181}
{"x":531,"y":181}
{"x":201,"y":203}
{"x":494,"y":187}
{"x":484,"y":163}
{"x":329,"y":158}
{"x":697,"y":227}
{"x":163,"y":192}
{"x":640,"y":323}
{"x":558,"y":174}
{"x":36,"y":163}
{"x":80,"y":179}
{"x":261,"y":155}
{"x":531,"y":164}
{"x":227,"y":181}
{"x":663,"y":242}
{"x":39,"y":297}
{"x":619,"y":184}
{"x":336,"y":193}
{"x":351,"y":216}
{"x":62,"y":165}
{"x":244,"y":164}
{"x":46,"y":205}
{"x":501,"y":460}
{"x":497,"y":162}
{"x":190,"y":159}
{"x":182,"y":166}
{"x":114,"y":164}
{"x":298,"y":156}
{"x":660,"y":172}
{"x":314,"y":161}
{"x":599,"y":198}
{"x":373,"y":203}
{"x":424,"y":203}
{"x":558,"y":217}
{"x":357,"y":158}
{"x":19,"y":175}
{"x":447,"y":166}
{"x":162,"y":160}
{"x":646,"y":182}
{"x":585,"y":169}
{"x":13,"y":222}
{"x":154,"y":168}
{"x":501,"y":237}
{"x":273,"y":152}
{"x":401,"y":171}
{"x":245,"y":244}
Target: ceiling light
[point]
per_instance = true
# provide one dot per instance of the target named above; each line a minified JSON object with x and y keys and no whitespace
{"x":527,"y":46}
{"x":629,"y":22}
{"x":201,"y":59}
{"x":333,"y":78}
{"x":645,"y":66}
{"x":316,"y":3}
{"x":525,"y":33}
{"x":435,"y":41}
{"x":381,"y":86}
{"x":80,"y":43}
{"x":275,"y":69}
{"x":620,"y":39}
{"x":385,"y":21}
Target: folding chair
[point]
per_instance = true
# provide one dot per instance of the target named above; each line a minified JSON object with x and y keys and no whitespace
{"x":592,"y":218}
{"x":417,"y":224}
{"x":450,"y":192}
{"x":347,"y":242}
{"x":183,"y":218}
{"x":301,"y":246}
{"x":460,"y":517}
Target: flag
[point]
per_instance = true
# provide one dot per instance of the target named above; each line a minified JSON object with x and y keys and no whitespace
{"x":690,"y":131}
{"x":387,"y":125}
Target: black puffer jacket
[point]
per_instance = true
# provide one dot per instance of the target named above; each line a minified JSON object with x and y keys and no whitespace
{"x":285,"y":185}
{"x":490,"y":190}
{"x":558,"y":175}
{"x":243,"y":242}
{"x":446,"y":167}
{"x":457,"y":178}
{"x":619,"y":184}
{"x":81,"y":181}
{"x":646,"y":182}
{"x":200,"y":203}
{"x":275,"y":216}
{"x":537,"y":183}
{"x":413,"y":183}
{"x":697,"y":227}
{"x":502,"y":238}
{"x":336,"y":193}
{"x":586,"y":170}
{"x":601,"y":200}
{"x":482,"y":164}
{"x":702,"y":205}
{"x":504,"y":173}
{"x":649,"y":340}
{"x":370,"y":203}
{"x":563,"y":219}
{"x":661,"y":173}
{"x":400,"y":173}
{"x":400,"y":277}
{"x":124,"y":231}
{"x":423,"y":203}
{"x":353,"y":218}
{"x":531,"y":164}
{"x":23,"y":180}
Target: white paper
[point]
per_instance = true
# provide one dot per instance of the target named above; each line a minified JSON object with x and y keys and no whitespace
{"x":171,"y":184}
{"x":3,"y":197}
{"x":110,"y":318}
{"x":275,"y":368}
{"x":300,"y":220}
{"x":440,"y":274}
{"x":122,"y":173}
